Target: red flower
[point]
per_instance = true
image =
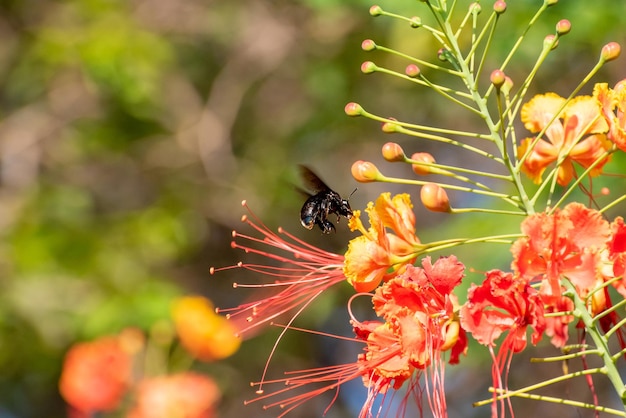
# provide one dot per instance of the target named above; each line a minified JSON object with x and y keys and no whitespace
{"x":503,"y":303}
{"x":419,"y":310}
{"x":185,"y":395}
{"x":566,"y":243}
{"x":384,"y":365}
{"x":419,"y":303}
{"x":379,"y":367}
{"x":419,"y":325}
{"x":617,"y":252}
{"x":96,"y":374}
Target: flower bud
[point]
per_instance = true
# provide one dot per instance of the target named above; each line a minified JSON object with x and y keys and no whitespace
{"x":498,"y":78}
{"x":507,"y":86}
{"x":368,"y":67}
{"x":563,"y":27}
{"x":441,"y":54}
{"x":610,"y":51}
{"x":353,"y":109}
{"x":549,"y":42}
{"x":368,"y":45}
{"x":424,"y":158}
{"x":393,"y":152}
{"x":389,"y":127}
{"x":416,"y":22}
{"x":551,"y":2}
{"x":499,"y":6}
{"x":475,"y":8}
{"x":412,"y":70}
{"x":376,"y":10}
{"x":365,"y":171}
{"x":434,"y":198}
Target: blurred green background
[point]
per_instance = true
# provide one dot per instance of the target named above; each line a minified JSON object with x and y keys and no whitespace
{"x":131,"y":130}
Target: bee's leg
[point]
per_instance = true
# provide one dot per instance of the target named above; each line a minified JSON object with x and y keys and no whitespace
{"x":327,"y":227}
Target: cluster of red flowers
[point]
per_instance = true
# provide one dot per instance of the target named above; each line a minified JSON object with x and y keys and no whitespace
{"x":421,"y":318}
{"x":420,"y":322}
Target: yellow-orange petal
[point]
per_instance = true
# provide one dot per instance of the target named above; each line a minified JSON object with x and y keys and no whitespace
{"x":397,"y":213}
{"x":205,"y":334}
{"x":542,"y":155}
{"x":539,"y":111}
{"x":365,"y":264}
{"x":588,"y":113}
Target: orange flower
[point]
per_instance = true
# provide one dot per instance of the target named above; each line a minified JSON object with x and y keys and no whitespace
{"x":379,"y":254}
{"x":185,"y":395}
{"x":577,"y":134}
{"x":205,"y":334}
{"x":384,"y":364}
{"x":613,"y":102}
{"x":96,"y":374}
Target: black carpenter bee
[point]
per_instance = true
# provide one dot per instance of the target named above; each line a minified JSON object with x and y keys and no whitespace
{"x":321,"y":203}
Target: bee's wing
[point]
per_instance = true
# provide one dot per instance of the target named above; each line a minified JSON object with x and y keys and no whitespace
{"x":303,"y":192}
{"x":311,"y":179}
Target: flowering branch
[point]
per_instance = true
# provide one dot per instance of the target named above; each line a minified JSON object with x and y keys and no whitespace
{"x":568,"y":261}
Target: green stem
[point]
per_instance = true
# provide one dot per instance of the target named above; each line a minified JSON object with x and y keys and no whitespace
{"x":427,"y":128}
{"x":571,"y":403}
{"x":545,"y":383}
{"x":447,"y":170}
{"x":417,"y":60}
{"x":599,"y":340}
{"x":565,"y":356}
{"x":508,"y":198}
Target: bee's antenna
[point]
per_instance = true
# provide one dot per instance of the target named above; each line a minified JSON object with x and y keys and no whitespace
{"x":353,"y":191}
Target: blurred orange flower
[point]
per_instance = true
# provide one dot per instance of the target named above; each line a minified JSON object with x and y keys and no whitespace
{"x":205,"y":334}
{"x":185,"y":395}
{"x":379,"y":254}
{"x":96,"y":374}
{"x":577,"y":134}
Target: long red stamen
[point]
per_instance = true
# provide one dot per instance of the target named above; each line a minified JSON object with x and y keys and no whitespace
{"x":306,"y":273}
{"x":332,"y":376}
